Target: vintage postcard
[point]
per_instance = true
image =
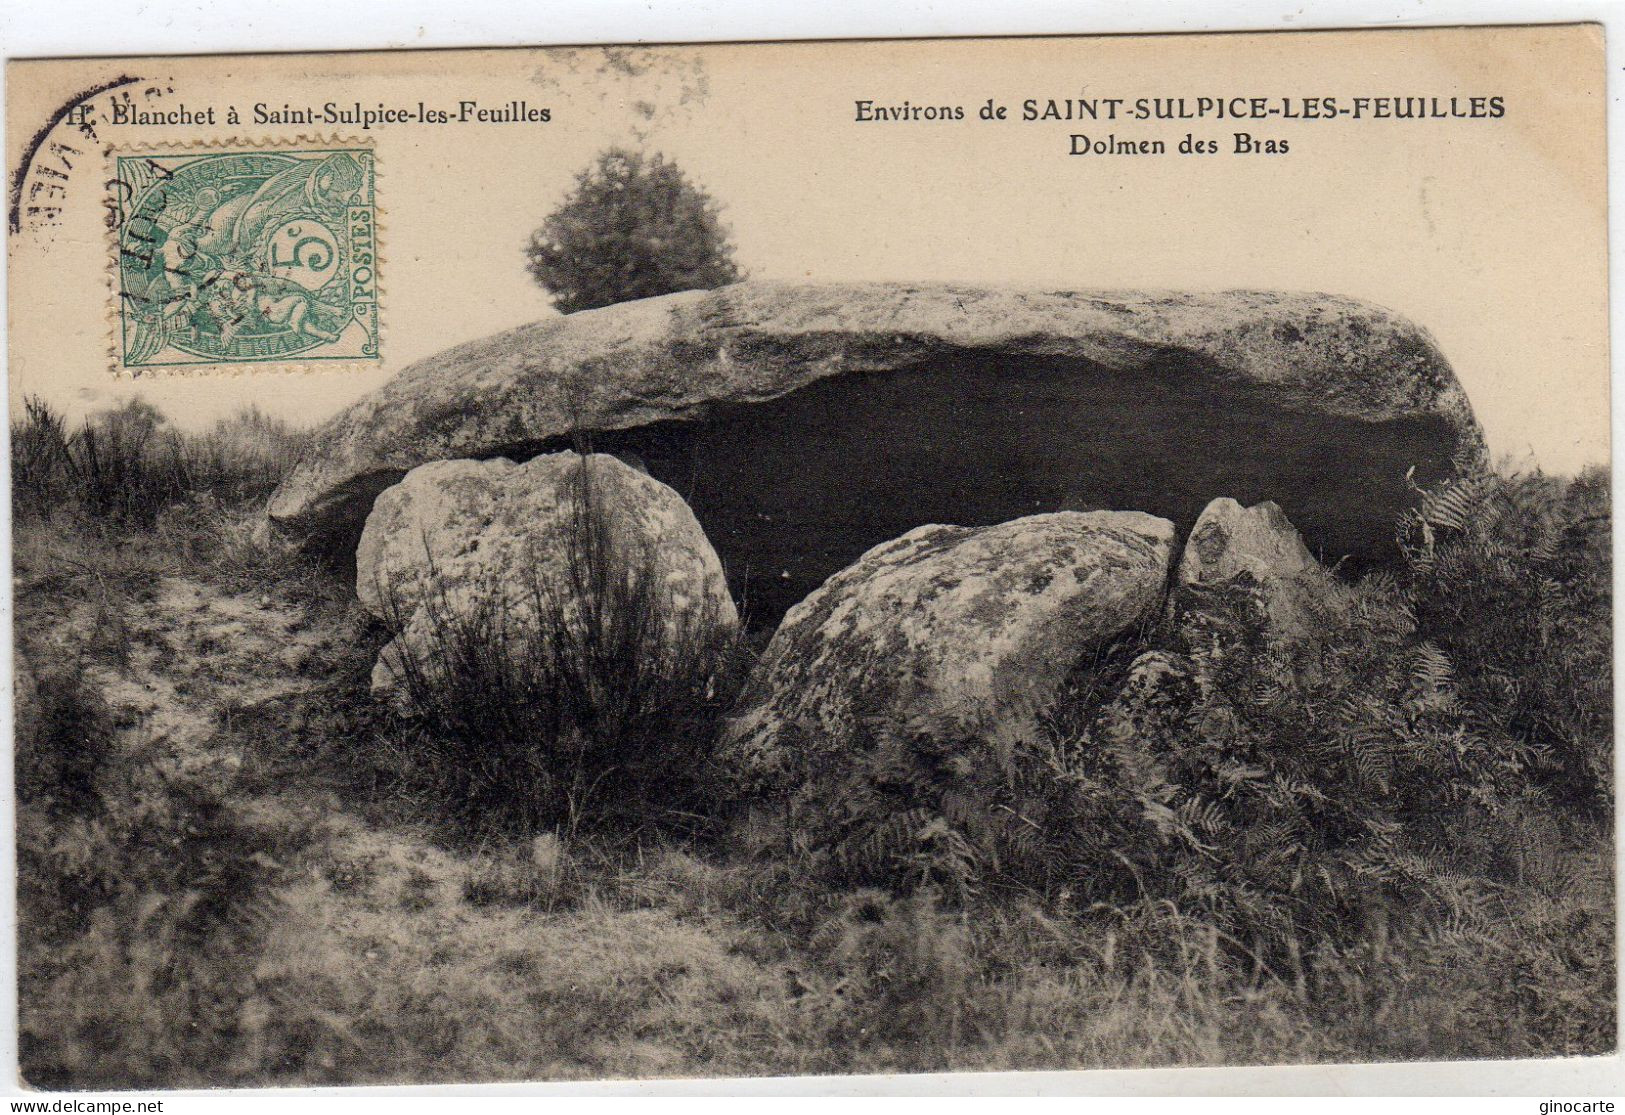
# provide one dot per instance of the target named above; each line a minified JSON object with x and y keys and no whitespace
{"x":811,"y":558}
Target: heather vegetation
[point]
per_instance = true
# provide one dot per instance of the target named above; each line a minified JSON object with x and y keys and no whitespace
{"x":1444,"y":730}
{"x":582,"y":703}
{"x":235,"y":866}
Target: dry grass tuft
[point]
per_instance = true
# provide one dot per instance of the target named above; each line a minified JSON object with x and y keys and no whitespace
{"x":591,"y":703}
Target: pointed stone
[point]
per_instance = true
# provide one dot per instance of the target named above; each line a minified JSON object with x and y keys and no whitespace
{"x":1254,"y":561}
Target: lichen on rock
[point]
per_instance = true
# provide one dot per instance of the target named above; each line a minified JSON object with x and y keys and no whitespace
{"x":460,"y":538}
{"x":971,"y":630}
{"x":1247,"y":568}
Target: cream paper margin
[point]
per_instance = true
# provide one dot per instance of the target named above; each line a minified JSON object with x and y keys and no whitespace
{"x":1491,"y":234}
{"x":1581,"y":357}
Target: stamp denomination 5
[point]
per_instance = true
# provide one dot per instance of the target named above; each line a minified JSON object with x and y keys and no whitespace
{"x":244,"y":257}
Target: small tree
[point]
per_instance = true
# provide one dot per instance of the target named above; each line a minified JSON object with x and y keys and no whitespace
{"x":633,"y":228}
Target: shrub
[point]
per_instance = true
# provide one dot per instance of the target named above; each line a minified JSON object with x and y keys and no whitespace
{"x":124,"y":467}
{"x":593,"y":700}
{"x":241,"y":459}
{"x":39,"y":457}
{"x":633,"y":228}
{"x":1511,"y":577}
{"x":142,"y":897}
{"x":64,"y":739}
{"x":1304,"y":790}
{"x":1279,"y":792}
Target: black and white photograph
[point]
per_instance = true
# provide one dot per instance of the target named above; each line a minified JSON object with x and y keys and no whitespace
{"x":811,"y":559}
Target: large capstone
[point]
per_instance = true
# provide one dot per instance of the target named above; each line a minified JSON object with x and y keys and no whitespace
{"x":495,"y":550}
{"x":957,"y":636}
{"x":806,"y":424}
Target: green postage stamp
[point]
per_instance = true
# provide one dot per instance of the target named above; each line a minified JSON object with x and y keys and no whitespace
{"x":244,"y":256}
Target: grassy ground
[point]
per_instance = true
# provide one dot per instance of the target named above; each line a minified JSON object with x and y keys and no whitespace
{"x":224,"y":880}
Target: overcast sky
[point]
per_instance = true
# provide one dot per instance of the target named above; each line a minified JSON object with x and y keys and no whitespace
{"x":1488,"y":233}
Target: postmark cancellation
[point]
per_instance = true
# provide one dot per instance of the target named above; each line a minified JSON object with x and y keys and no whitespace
{"x":245,"y":257}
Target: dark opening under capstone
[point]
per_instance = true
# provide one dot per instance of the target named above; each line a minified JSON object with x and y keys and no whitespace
{"x":792,"y":490}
